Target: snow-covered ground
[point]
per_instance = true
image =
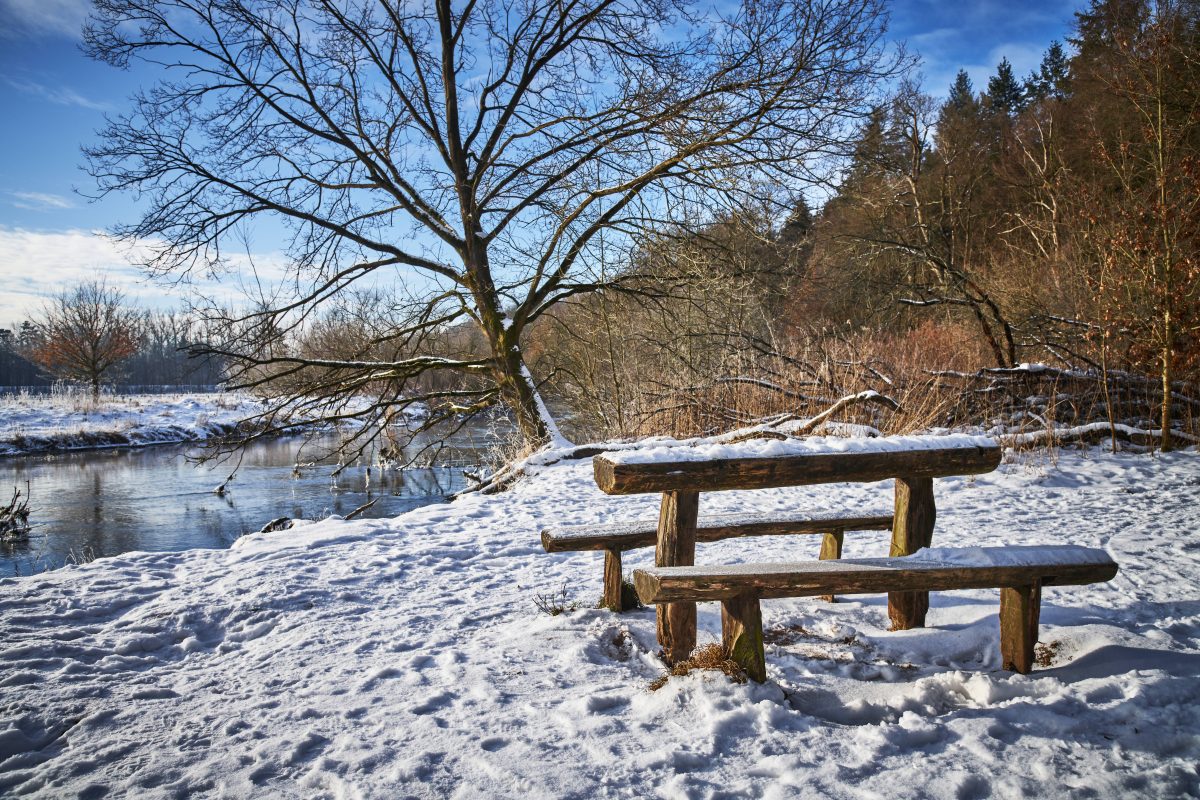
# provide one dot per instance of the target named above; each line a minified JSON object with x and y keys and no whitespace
{"x":406,"y":658}
{"x":32,"y":423}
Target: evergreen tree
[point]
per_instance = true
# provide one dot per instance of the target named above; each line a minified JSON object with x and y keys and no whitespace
{"x":1051,"y":79}
{"x":870,"y":151}
{"x":794,"y":241}
{"x":798,"y":225}
{"x":962,"y":93}
{"x":1003,"y":92}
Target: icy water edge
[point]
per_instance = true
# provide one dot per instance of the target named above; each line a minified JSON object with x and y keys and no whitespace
{"x":90,"y":504}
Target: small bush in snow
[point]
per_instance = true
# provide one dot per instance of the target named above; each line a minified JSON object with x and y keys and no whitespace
{"x":555,"y":603}
{"x":711,"y":657}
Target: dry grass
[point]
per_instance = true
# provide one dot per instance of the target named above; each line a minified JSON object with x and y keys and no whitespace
{"x":934,"y":379}
{"x":1045,"y":654}
{"x":555,"y":603}
{"x":711,"y":657}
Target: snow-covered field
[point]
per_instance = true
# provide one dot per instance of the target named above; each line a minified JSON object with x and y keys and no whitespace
{"x":34,"y":423}
{"x":406,"y":658}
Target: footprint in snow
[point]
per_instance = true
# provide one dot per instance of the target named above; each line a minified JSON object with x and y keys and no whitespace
{"x":435,"y":703}
{"x":307,"y":748}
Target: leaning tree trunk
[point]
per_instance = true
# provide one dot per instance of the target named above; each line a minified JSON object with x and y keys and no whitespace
{"x":512,"y":377}
{"x":518,"y":392}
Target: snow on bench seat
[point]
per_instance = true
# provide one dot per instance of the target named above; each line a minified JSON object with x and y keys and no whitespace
{"x":1019,"y":572}
{"x":935,"y":569}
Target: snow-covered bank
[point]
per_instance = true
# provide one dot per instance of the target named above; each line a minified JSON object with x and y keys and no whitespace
{"x":406,"y":658}
{"x":38,"y":423}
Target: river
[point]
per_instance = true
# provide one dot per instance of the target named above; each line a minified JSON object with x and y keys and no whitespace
{"x":94,"y":503}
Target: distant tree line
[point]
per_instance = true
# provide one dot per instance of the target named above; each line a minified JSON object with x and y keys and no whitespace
{"x":91,"y":335}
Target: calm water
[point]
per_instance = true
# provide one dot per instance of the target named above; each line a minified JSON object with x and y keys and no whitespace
{"x":91,"y":504}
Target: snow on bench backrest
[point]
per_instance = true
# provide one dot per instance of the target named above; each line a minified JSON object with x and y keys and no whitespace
{"x":765,"y":463}
{"x":813,"y":445}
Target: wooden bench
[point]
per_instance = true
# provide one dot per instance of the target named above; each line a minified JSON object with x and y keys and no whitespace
{"x":615,"y":538}
{"x":740,"y":588}
{"x":682,"y":473}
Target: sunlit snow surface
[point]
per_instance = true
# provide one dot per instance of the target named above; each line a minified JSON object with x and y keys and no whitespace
{"x":36,"y":423}
{"x":406,"y":658}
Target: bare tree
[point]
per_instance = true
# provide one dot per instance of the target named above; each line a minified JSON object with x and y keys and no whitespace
{"x":85,"y":333}
{"x":464,"y":156}
{"x":1145,"y":147}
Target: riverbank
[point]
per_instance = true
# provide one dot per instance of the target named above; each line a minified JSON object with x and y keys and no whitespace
{"x":407,"y":657}
{"x":31,"y":423}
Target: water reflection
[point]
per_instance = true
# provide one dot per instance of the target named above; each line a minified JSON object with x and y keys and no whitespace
{"x":105,"y":502}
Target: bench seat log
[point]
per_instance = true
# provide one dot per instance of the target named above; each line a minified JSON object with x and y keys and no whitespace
{"x":616,"y":477}
{"x":644,"y":533}
{"x":741,"y":587}
{"x":851,"y":576}
{"x":614,"y":538}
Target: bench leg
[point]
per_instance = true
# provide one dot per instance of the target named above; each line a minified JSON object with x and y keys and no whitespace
{"x":1020,"y":608}
{"x":831,"y":550}
{"x":612,"y":581}
{"x":742,"y":635}
{"x":912,"y":529}
{"x":677,"y":548}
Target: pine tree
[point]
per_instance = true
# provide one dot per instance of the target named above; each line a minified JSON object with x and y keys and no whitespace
{"x":962,"y":93}
{"x":794,"y":241}
{"x":798,"y":225}
{"x":869,"y":152}
{"x":1003,"y":92}
{"x":1052,"y":77}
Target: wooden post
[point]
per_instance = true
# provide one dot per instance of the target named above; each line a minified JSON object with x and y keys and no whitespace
{"x":912,"y":529}
{"x":677,"y":548}
{"x":831,"y":550}
{"x":612,"y":580}
{"x":742,"y":636}
{"x":1020,"y":608}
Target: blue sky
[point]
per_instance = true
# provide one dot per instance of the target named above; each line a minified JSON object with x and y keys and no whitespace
{"x":53,"y":99}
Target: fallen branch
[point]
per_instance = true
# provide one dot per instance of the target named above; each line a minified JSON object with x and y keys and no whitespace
{"x":14,"y":517}
{"x":1090,"y":434}
{"x":361,"y":509}
{"x":793,"y":427}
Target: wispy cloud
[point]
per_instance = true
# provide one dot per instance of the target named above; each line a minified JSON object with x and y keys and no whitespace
{"x":40,"y":201}
{"x":42,"y":18}
{"x":35,"y":265}
{"x":59,"y":95}
{"x":975,"y":34}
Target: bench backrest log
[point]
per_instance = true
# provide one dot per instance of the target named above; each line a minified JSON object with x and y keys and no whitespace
{"x":616,"y":477}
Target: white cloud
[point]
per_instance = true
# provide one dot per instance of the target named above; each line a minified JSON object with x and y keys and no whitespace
{"x":35,"y":265}
{"x":1023,"y":56}
{"x":42,"y":17}
{"x":40,"y":201}
{"x":59,"y":95}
